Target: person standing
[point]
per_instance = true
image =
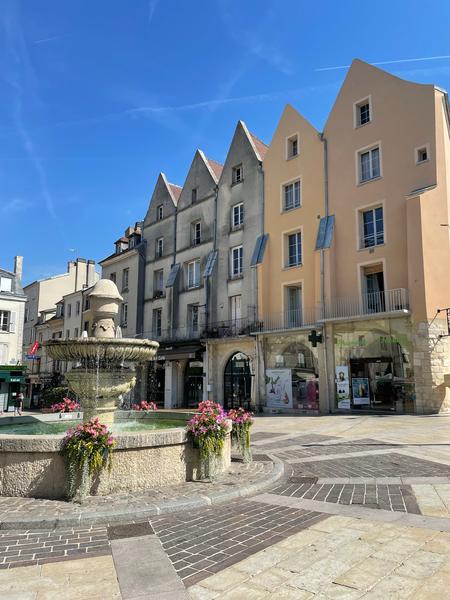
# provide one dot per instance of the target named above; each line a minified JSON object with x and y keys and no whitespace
{"x":18,"y":404}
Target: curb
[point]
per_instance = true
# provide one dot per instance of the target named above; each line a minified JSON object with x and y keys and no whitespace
{"x":125,"y":514}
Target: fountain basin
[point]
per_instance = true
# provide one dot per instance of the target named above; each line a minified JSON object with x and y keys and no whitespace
{"x":32,"y":465}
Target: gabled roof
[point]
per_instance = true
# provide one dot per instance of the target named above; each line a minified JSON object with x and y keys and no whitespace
{"x":259,"y":147}
{"x":216,"y":167}
{"x":175,"y":191}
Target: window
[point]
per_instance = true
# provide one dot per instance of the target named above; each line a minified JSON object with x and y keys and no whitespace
{"x":67,"y":334}
{"x":27,"y":314}
{"x":76,"y":333}
{"x":4,"y":320}
{"x":369,"y":165}
{"x":124,"y":318}
{"x":69,"y":310}
{"x":125,"y":277}
{"x":86,"y":326}
{"x":362,"y":112}
{"x":59,"y":310}
{"x":422,"y":154}
{"x":193,"y":274}
{"x":237,"y":174}
{"x":196,"y":233}
{"x":159,"y":212}
{"x":236,"y":261}
{"x":292,"y":146}
{"x":294,"y":306}
{"x":113,"y":277}
{"x":235,"y":308}
{"x":158,"y":283}
{"x":157,"y":321}
{"x":291,"y":193}
{"x":77,"y":307}
{"x":294,"y":249}
{"x":5,"y":284}
{"x":193,"y":313}
{"x":159,"y":247}
{"x":194,"y":195}
{"x":237,"y":216}
{"x":372,"y":227}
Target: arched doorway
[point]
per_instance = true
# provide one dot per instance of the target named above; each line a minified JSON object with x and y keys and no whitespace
{"x":193,"y":383}
{"x":237,"y":388}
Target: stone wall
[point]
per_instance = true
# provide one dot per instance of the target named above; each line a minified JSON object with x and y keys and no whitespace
{"x":34,"y":466}
{"x":431,"y":367}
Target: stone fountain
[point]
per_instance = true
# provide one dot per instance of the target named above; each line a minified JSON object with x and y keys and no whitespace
{"x":100,"y":377}
{"x":32,"y":465}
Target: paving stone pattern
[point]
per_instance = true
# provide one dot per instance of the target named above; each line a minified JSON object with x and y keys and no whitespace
{"x":200,"y":544}
{"x":381,"y":465}
{"x":398,"y":498}
{"x":298,"y":440}
{"x":20,"y":549}
{"x":322,"y":450}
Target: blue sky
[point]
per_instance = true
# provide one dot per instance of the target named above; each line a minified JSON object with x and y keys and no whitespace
{"x":99,"y":96}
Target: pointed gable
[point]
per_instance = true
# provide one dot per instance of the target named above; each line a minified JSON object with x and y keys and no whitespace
{"x":201,"y":177}
{"x":165,"y":194}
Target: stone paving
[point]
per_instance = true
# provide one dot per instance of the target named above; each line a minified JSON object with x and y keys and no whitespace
{"x":383,"y":496}
{"x":362,"y":511}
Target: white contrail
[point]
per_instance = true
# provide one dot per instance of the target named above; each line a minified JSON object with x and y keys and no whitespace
{"x":389,"y":62}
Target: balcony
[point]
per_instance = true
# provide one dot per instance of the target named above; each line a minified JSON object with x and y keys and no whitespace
{"x":230,"y":328}
{"x":388,"y":301}
{"x":178,"y":334}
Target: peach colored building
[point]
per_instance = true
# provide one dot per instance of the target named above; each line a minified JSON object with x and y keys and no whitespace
{"x":355,"y":269}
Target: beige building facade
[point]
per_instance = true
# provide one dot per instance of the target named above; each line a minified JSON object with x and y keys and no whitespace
{"x":355,"y":272}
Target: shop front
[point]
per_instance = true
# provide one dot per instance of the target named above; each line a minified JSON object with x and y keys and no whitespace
{"x":373,"y":367}
{"x":12,"y":382}
{"x":180,"y":375}
{"x":291,"y":373}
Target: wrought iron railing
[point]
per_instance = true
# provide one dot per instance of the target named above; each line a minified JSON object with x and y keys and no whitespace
{"x":367,"y":304}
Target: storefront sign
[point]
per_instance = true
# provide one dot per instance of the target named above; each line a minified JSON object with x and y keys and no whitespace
{"x":360,"y":390}
{"x":342,"y":387}
{"x":279,"y":388}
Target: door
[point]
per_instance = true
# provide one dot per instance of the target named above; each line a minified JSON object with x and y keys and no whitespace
{"x":236,"y":312}
{"x":193,"y":384}
{"x":372,"y":384}
{"x":237,"y":382}
{"x":374,"y":284}
{"x":294,"y":306}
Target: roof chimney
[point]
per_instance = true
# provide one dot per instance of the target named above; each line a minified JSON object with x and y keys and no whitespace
{"x":18,"y":263}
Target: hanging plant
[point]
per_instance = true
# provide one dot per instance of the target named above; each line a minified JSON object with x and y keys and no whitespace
{"x":240,"y":434}
{"x":87,"y":450}
{"x":208,"y":429}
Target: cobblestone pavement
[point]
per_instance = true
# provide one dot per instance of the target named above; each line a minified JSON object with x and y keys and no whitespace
{"x":389,"y":476}
{"x":383,"y":496}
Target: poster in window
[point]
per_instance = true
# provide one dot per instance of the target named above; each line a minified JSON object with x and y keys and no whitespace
{"x":342,"y":387}
{"x":360,"y":391}
{"x":279,"y":388}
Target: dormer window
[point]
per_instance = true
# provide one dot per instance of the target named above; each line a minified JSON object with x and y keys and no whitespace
{"x":363,"y":112}
{"x":5,"y":284}
{"x":292,"y":146}
{"x":159,"y":212}
{"x":237,"y":174}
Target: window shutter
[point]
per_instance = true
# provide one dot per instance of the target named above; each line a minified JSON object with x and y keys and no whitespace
{"x":12,"y":322}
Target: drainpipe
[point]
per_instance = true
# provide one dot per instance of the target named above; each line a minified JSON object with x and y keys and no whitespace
{"x":171,"y":311}
{"x":207,"y":279}
{"x":322,"y":262}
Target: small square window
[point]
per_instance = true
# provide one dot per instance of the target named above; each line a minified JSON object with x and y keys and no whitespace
{"x":292,"y":146}
{"x":422,"y":155}
{"x":237,"y":174}
{"x":363,"y":112}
